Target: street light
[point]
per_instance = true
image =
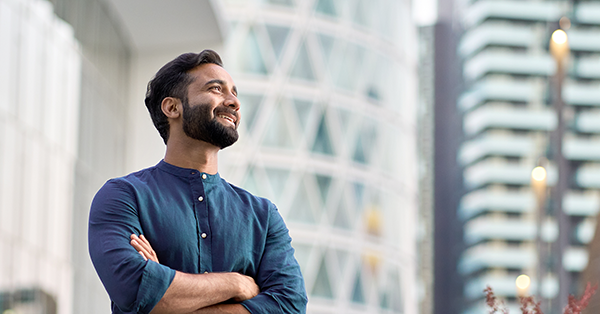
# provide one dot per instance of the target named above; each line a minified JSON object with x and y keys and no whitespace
{"x":539,"y":178}
{"x":523,"y":282}
{"x":559,"y":48}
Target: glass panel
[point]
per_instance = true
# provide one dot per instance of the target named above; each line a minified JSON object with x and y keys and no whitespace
{"x":303,"y":108}
{"x":250,"y":183}
{"x":250,"y":104}
{"x":278,"y":179}
{"x":361,"y":16}
{"x":341,"y":217}
{"x":326,"y":42}
{"x":302,"y":254}
{"x":322,"y":287}
{"x":250,"y":55}
{"x":326,"y":7}
{"x":302,"y":68}
{"x":301,"y":210}
{"x":359,"y":152}
{"x":324,"y":182}
{"x":358,"y":295}
{"x":278,"y":36}
{"x":322,"y":142}
{"x":397,"y":302}
{"x":278,"y":134}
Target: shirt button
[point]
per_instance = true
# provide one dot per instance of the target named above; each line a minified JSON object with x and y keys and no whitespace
{"x":200,"y":198}
{"x":204,"y":176}
{"x":203,"y":235}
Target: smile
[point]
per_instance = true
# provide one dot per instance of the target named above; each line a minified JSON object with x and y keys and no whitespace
{"x":228,"y":118}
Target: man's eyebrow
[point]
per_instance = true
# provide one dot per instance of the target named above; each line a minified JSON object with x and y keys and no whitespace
{"x":221,"y":82}
{"x":215,"y":81}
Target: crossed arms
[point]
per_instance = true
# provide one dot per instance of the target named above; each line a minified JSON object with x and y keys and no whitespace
{"x":200,"y":293}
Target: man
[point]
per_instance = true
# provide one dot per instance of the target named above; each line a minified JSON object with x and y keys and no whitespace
{"x":176,"y":238}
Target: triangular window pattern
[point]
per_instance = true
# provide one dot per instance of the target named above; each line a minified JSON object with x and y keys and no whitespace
{"x":278,"y":133}
{"x":323,"y":182}
{"x":326,"y":7}
{"x":278,"y":179}
{"x":250,"y":104}
{"x":341,"y":219}
{"x":322,"y":142}
{"x":251,"y":57}
{"x":358,"y":295}
{"x":361,"y":16}
{"x":326,"y":42}
{"x":278,"y":36}
{"x":302,"y":68}
{"x":301,"y":209}
{"x":250,"y":183}
{"x":302,"y":253}
{"x":303,"y":108}
{"x":359,"y":151}
{"x":322,"y":287}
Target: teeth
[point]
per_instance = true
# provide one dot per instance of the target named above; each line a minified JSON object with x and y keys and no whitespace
{"x":226,"y":117}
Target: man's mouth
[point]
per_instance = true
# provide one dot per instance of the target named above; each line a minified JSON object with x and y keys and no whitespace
{"x":228,"y":118}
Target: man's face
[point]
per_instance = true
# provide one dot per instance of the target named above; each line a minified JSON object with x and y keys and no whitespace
{"x":211,"y":110}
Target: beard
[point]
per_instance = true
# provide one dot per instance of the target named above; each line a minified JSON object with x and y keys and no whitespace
{"x":197,"y":124}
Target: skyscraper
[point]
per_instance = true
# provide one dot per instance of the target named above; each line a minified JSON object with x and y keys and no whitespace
{"x":508,"y":119}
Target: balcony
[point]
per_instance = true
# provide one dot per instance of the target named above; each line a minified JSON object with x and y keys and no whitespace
{"x":509,"y":118}
{"x":512,"y":10}
{"x":491,"y":34}
{"x":508,"y":62}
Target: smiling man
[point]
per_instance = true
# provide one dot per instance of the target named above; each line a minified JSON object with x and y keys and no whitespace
{"x":177,"y":238}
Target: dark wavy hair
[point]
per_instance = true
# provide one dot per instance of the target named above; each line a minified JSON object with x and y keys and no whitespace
{"x":172,"y":80}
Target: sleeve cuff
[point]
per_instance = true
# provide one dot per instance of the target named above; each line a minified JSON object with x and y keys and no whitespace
{"x":156,"y":279}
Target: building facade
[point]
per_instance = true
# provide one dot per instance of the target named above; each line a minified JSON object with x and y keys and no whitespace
{"x":328,"y":91}
{"x":508,"y":125}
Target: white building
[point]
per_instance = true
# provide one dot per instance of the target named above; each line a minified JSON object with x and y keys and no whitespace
{"x":328,"y":92}
{"x":508,"y":115}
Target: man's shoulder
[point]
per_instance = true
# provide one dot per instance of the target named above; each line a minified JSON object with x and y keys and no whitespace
{"x":247,"y":196}
{"x":134,"y":180}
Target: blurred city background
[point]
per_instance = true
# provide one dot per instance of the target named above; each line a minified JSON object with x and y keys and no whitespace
{"x":417,"y":150}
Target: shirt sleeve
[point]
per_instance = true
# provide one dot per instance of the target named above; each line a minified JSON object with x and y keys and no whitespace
{"x":279,"y":276}
{"x":133,"y":284}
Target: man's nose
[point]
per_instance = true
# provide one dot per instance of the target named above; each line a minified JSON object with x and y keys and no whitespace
{"x":233,"y":102}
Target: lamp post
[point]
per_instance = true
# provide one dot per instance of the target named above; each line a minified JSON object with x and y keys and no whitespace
{"x":538,"y":184}
{"x":559,"y":48}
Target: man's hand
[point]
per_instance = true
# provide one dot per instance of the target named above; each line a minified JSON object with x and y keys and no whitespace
{"x":143,"y":247}
{"x":247,"y":288}
{"x":179,"y":298}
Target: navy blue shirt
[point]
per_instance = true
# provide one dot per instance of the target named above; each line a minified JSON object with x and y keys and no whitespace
{"x":196,"y":223}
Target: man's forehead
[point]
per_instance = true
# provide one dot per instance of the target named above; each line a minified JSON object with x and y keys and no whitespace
{"x":209,"y":72}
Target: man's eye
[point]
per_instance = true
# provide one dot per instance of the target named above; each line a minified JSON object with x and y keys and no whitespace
{"x":216,"y":88}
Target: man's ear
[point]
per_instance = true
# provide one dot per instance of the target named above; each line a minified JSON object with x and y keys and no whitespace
{"x":171,"y":107}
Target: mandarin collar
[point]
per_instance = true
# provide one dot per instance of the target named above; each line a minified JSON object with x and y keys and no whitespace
{"x":187,"y":173}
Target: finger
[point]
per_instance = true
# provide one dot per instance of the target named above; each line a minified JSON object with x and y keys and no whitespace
{"x":138,"y":247}
{"x":144,"y":242}
{"x":142,"y":254}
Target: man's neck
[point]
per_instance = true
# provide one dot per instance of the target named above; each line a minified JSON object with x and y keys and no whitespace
{"x":193,"y":154}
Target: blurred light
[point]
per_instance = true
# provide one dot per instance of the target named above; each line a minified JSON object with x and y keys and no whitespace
{"x":564,"y":23}
{"x":538,"y":173}
{"x":559,"y":36}
{"x":523,"y":282}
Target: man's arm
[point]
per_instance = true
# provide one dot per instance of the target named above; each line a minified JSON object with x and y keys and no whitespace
{"x":136,"y":285}
{"x":278,"y":276}
{"x":200,"y":293}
